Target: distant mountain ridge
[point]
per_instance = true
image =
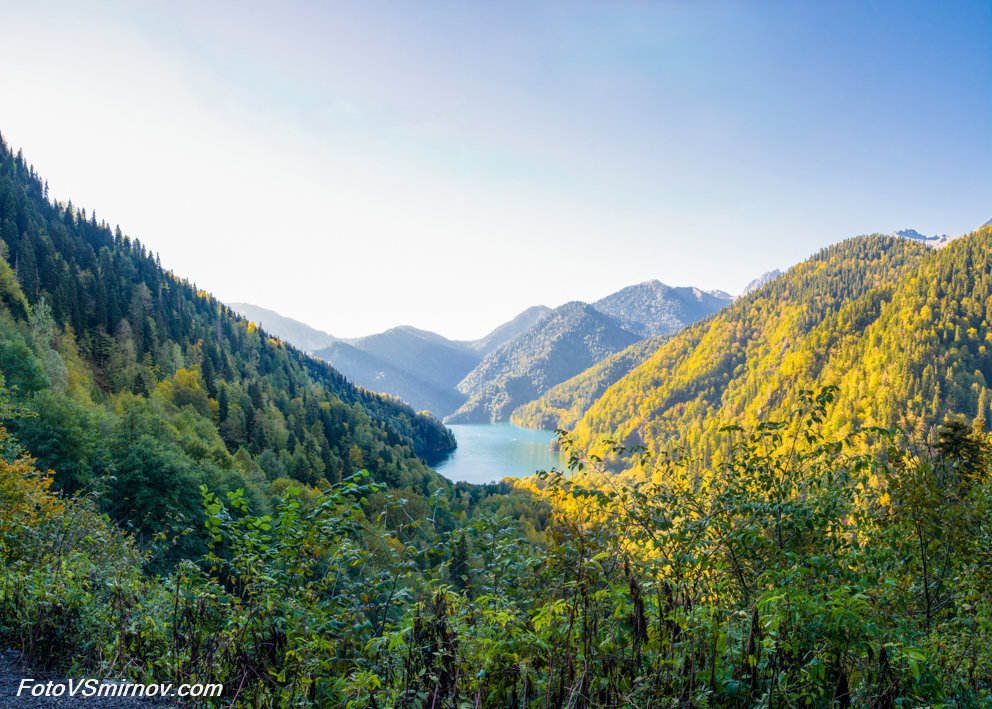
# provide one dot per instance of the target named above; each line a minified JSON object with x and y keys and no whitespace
{"x":418,"y":366}
{"x":467,"y":380}
{"x":508,"y":330}
{"x":294,"y":332}
{"x":652,"y":308}
{"x":566,"y":341}
{"x":535,"y":364}
{"x":431,"y":357}
{"x":368,"y":371}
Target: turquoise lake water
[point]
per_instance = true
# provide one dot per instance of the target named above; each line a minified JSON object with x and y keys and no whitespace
{"x":488,"y":452}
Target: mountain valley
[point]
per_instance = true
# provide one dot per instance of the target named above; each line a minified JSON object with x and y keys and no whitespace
{"x":796,"y":478}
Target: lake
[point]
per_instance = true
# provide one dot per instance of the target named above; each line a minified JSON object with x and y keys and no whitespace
{"x":488,"y":452}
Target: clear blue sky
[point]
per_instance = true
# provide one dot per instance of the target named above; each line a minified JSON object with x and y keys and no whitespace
{"x":359,"y":165}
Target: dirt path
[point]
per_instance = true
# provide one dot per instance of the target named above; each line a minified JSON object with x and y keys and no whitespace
{"x":12,"y":672}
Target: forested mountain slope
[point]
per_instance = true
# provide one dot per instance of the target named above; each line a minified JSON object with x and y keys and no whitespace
{"x":129,"y":370}
{"x":566,"y":341}
{"x":902,"y":330}
{"x":760,"y":281}
{"x":508,"y":330}
{"x":564,"y":404}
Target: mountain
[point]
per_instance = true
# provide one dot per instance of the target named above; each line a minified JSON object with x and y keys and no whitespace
{"x":564,"y":404}
{"x":760,"y":281}
{"x":294,"y":332}
{"x":509,"y":330}
{"x":427,"y":355}
{"x":423,"y":368}
{"x":127,"y":368}
{"x":367,"y":370}
{"x":899,"y":328}
{"x":419,"y":366}
{"x":553,"y":349}
{"x":651,"y":308}
{"x":564,"y":342}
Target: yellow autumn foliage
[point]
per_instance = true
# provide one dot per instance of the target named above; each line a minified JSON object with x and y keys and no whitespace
{"x":25,"y":502}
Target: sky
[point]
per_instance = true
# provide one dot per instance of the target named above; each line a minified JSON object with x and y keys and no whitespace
{"x":361,"y":165}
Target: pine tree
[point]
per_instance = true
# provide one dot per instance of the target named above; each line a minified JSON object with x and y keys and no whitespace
{"x":222,"y":403}
{"x":979,"y":422}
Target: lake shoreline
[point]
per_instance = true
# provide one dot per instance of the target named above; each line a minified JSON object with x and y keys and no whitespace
{"x":489,"y":452}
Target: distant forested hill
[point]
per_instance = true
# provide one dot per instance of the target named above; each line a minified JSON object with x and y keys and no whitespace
{"x":367,"y":370}
{"x":902,"y":330}
{"x":129,"y":370}
{"x":509,"y":330}
{"x":568,"y":340}
{"x":650,"y":309}
{"x":417,"y":366}
{"x":431,"y":357}
{"x":564,"y":342}
{"x":564,"y":404}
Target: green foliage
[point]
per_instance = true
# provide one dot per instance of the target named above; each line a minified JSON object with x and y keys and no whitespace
{"x":11,"y":294}
{"x":800,"y":571}
{"x":22,"y":370}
